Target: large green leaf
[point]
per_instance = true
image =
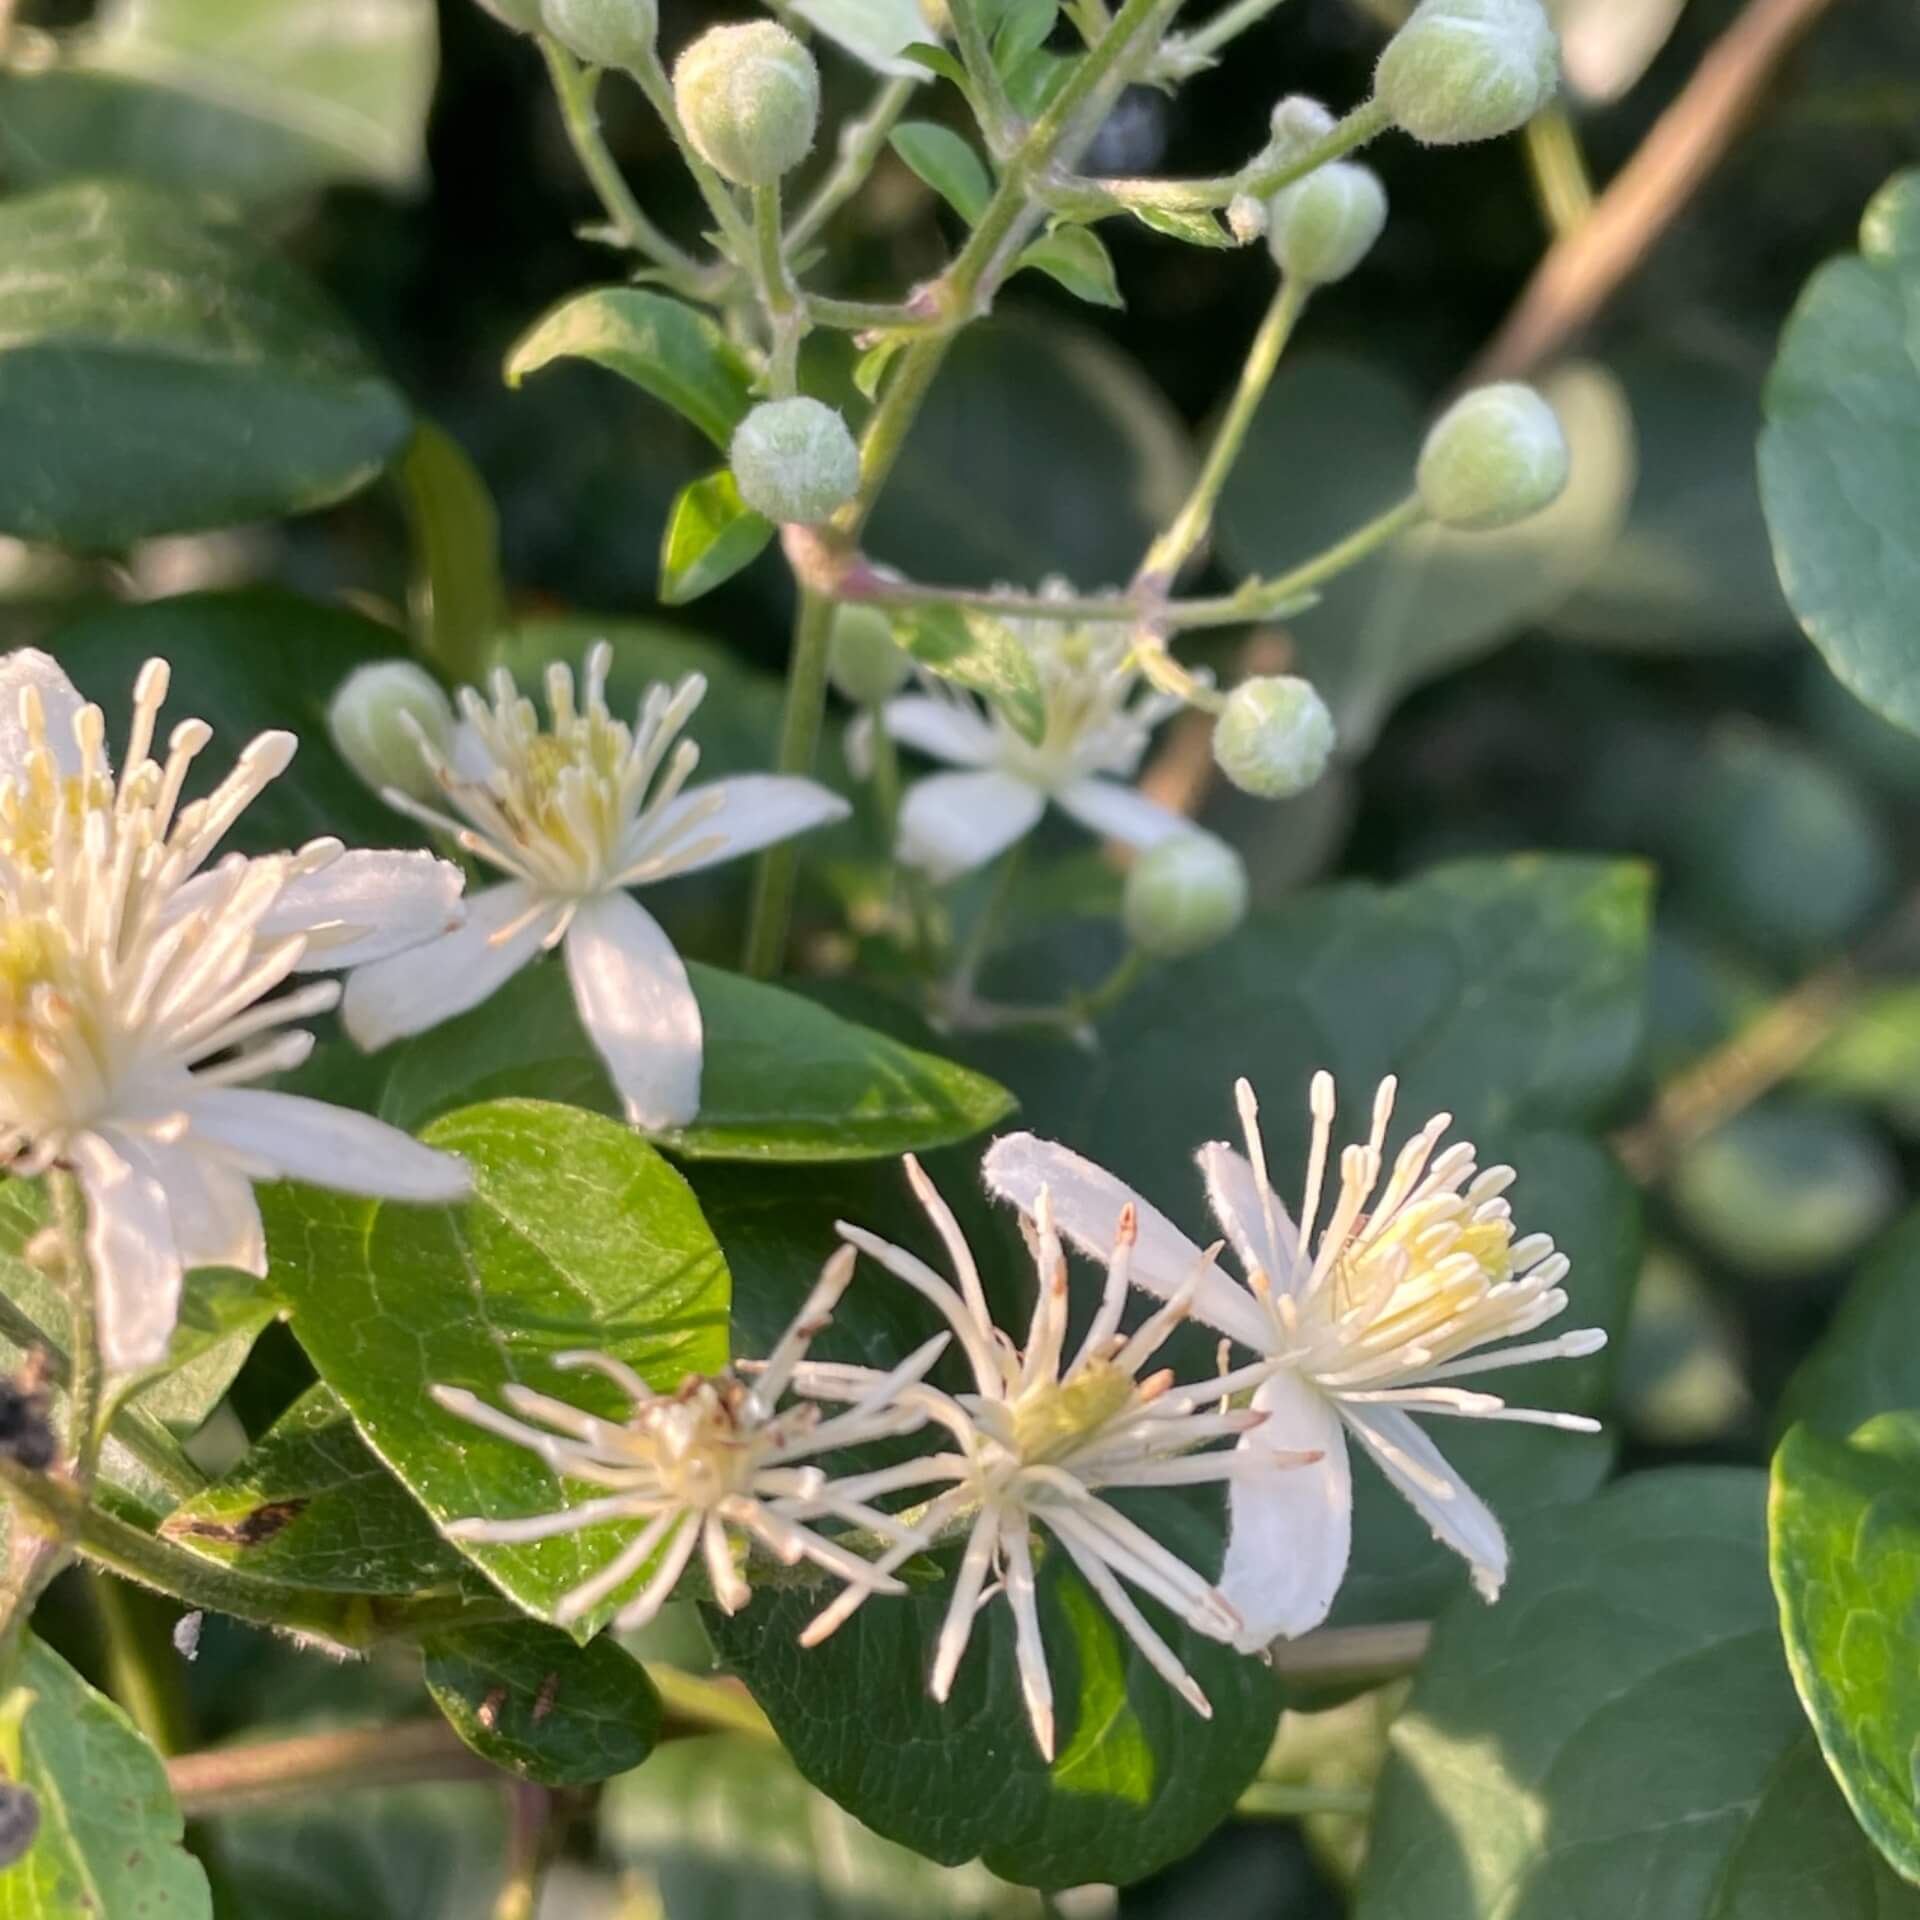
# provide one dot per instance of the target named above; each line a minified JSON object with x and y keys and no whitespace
{"x":527,"y":1698}
{"x":578,"y":1236}
{"x":1840,"y":458}
{"x":108,"y":1841}
{"x":783,"y":1079}
{"x":725,"y":1828}
{"x":161,"y":374}
{"x":230,"y":97}
{"x":1619,"y":1735}
{"x":1868,"y":1360}
{"x":1844,"y":1527}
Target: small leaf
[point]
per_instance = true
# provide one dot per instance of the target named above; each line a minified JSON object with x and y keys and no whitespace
{"x":160,"y":374}
{"x":527,"y":1698}
{"x":1844,"y":1526}
{"x":1196,"y":228}
{"x":938,"y":60}
{"x":109,"y":1834}
{"x":457,"y":597}
{"x":1078,"y":259}
{"x":882,"y":33}
{"x":947,"y":164}
{"x":982,"y":654}
{"x":711,"y":534}
{"x":1022,"y":32}
{"x":579,"y":1235}
{"x":871,"y":368}
{"x":674,"y":351}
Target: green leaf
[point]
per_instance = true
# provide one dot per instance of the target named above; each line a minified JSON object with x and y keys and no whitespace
{"x":1078,"y":259}
{"x":163,"y":375}
{"x":531,"y":1701}
{"x":1844,"y":1530}
{"x":724,"y":1828}
{"x":1184,"y":223}
{"x":783,"y":1079}
{"x":244,"y":662}
{"x":982,"y":654}
{"x":936,"y":60}
{"x":711,"y":534}
{"x":1618,"y":1735}
{"x":230,"y":98}
{"x":884,"y":34}
{"x":108,"y":1841}
{"x":578,"y":1236}
{"x":672,"y":350}
{"x":947,"y":164}
{"x":1840,"y":458}
{"x":457,"y":596}
{"x":310,"y":1504}
{"x":1022,"y":32}
{"x":1868,"y":1360}
{"x":871,"y":368}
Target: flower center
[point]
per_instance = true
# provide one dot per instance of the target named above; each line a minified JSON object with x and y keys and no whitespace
{"x":695,"y":1443}
{"x":51,"y":1047}
{"x":1053,"y":1417}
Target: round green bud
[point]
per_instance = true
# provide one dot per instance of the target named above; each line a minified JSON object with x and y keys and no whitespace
{"x":1464,"y":70}
{"x":1274,"y":738}
{"x":1497,"y":455}
{"x":523,"y":16}
{"x":1299,"y":122}
{"x":1321,"y":228}
{"x":794,"y":460}
{"x":373,"y":719}
{"x":749,"y":98}
{"x":1186,"y":894}
{"x":864,"y":661}
{"x":604,"y":33}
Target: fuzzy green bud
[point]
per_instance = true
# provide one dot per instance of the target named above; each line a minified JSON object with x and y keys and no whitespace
{"x":1497,"y":455}
{"x":1274,"y":737}
{"x":1464,"y":70}
{"x":794,"y":460}
{"x":373,"y":719}
{"x":1298,"y":123}
{"x":1186,"y":894}
{"x":1321,"y":228}
{"x":749,"y":98}
{"x":604,"y":33}
{"x":864,"y":661}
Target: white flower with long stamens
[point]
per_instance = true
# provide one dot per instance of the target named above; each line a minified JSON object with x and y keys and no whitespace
{"x":714,"y":1463}
{"x":575,"y":814}
{"x":1099,"y":721}
{"x":133,"y":984}
{"x":1373,"y":1321}
{"x":1037,"y":1442}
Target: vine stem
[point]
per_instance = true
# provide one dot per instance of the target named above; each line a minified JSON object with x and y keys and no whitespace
{"x":786,"y":317}
{"x":860,"y":144}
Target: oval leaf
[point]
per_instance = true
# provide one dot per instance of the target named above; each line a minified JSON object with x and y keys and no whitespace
{"x":711,"y":534}
{"x":160,"y":374}
{"x":947,"y":164}
{"x":1076,"y":258}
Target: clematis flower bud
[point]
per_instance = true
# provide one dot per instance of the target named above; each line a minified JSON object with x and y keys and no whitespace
{"x":1464,"y":70}
{"x":749,"y":98}
{"x":604,"y":33}
{"x":865,"y":663}
{"x":373,"y":717}
{"x":1246,"y":218}
{"x":1321,"y":228}
{"x":1299,"y":122}
{"x":1496,"y":456}
{"x":794,"y":460}
{"x":1275,"y":737}
{"x":1184,"y":895}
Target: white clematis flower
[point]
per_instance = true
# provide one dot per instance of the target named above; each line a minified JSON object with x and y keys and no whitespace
{"x":133,"y":984}
{"x":1364,"y":1327}
{"x":575,"y":814}
{"x":715,"y":1462}
{"x":1038,"y":1440}
{"x":1099,"y":720}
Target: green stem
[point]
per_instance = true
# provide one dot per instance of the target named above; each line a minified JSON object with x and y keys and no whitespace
{"x":1191,"y":525}
{"x":997,"y":118}
{"x":143,"y":1674}
{"x":651,"y":78}
{"x":786,"y":319}
{"x":1228,"y":24}
{"x":860,"y":144}
{"x":1559,"y":168}
{"x":864,"y":316}
{"x":263,"y":1772}
{"x":1265,"y":599}
{"x":574,"y":87}
{"x":1108,"y":994}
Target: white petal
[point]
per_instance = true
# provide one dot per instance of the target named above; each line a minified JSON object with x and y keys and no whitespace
{"x":941,"y":729}
{"x":469,"y":758}
{"x":216,"y":1220}
{"x":59,"y":701}
{"x":1123,"y":813}
{"x":412,"y":991}
{"x":951,"y":823}
{"x":638,"y":1009}
{"x":1233,"y":1191}
{"x":1292,"y":1527}
{"x":1087,"y":1201}
{"x":130,"y":1246}
{"x":367,"y":906}
{"x":756,"y":810}
{"x":292,"y":1137}
{"x":1461,"y":1520}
